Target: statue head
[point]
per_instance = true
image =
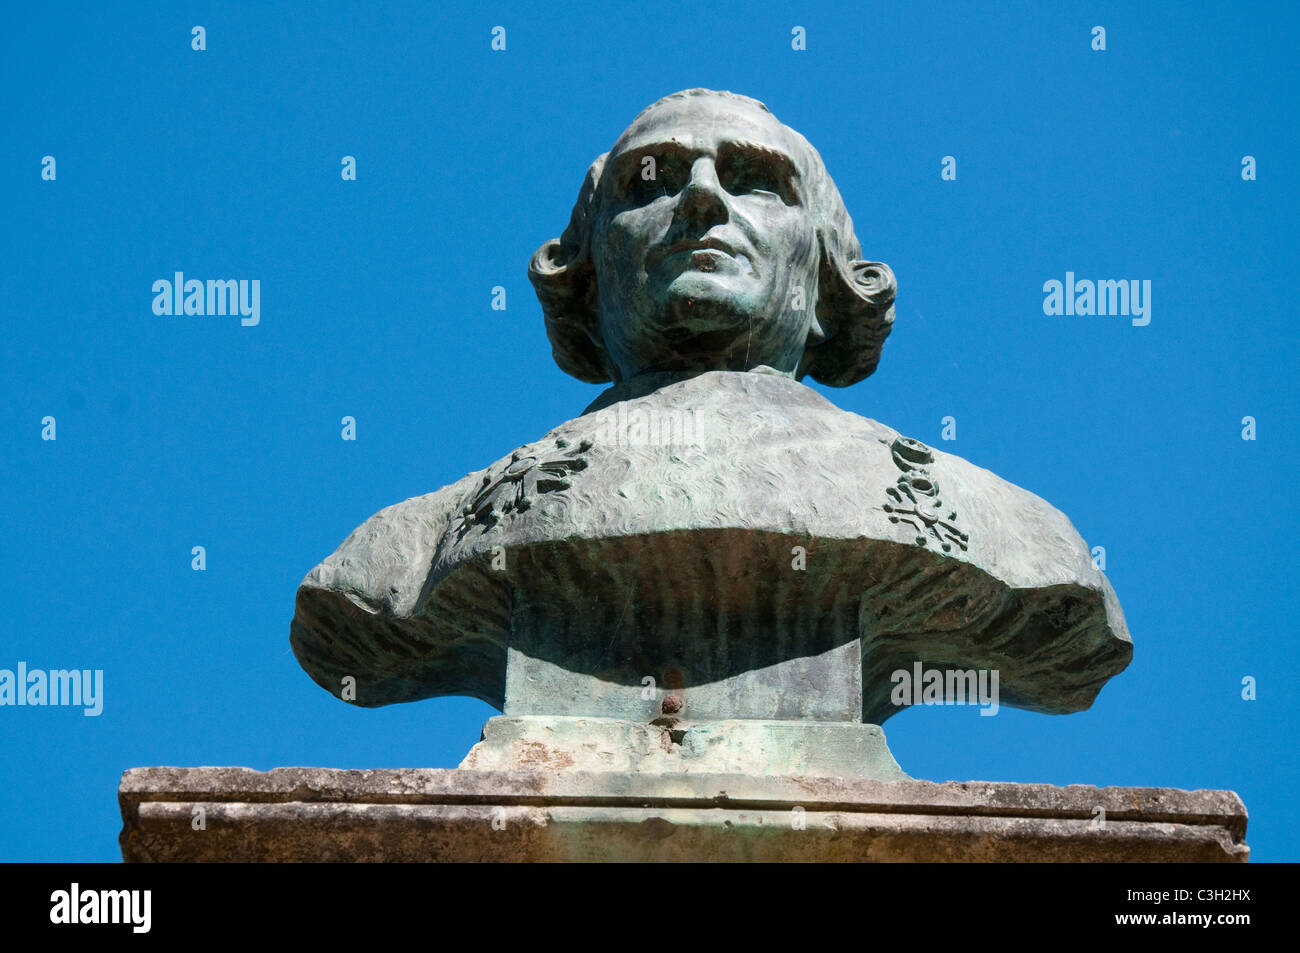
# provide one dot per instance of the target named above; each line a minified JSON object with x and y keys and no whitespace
{"x":711,"y":237}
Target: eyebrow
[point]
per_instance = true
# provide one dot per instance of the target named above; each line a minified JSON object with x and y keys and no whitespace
{"x":632,"y":157}
{"x":749,"y":148}
{"x":746,"y":147}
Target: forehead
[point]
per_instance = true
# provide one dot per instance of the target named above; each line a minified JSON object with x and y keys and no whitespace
{"x":700,"y":123}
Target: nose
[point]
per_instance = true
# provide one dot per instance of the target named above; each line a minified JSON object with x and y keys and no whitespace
{"x":703,"y":201}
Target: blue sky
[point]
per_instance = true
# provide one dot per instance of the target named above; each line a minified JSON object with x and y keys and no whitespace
{"x":174,"y":432}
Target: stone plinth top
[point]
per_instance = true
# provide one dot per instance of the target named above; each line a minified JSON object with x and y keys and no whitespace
{"x":309,"y":814}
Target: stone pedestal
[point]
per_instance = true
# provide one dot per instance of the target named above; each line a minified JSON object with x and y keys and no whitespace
{"x":477,"y":814}
{"x":670,"y":745}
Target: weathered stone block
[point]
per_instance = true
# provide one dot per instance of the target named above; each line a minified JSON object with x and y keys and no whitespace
{"x":318,"y":814}
{"x":802,"y":748}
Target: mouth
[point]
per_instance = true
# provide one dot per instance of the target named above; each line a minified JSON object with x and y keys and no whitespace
{"x":705,"y":245}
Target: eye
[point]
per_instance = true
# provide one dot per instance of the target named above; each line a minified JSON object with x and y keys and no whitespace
{"x":744,"y":174}
{"x":655,"y":176}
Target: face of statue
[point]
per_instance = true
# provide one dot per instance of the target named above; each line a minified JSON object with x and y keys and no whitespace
{"x":704,"y":247}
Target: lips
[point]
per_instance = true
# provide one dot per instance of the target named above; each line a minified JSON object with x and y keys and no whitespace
{"x":715,"y":244}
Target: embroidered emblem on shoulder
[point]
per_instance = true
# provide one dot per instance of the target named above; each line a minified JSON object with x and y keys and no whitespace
{"x":514,"y":487}
{"x":915,"y":500}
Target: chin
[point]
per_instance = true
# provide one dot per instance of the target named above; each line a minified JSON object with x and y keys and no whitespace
{"x":703,"y":301}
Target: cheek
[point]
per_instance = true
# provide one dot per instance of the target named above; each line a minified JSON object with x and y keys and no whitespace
{"x":608,"y":251}
{"x":787,"y":236}
{"x":622,"y":243}
{"x":616,"y":238}
{"x":637,"y":225}
{"x":804,"y":246}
